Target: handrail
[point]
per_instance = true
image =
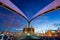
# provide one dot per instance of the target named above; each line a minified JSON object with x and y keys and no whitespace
{"x":58,"y":7}
{"x":3,"y":5}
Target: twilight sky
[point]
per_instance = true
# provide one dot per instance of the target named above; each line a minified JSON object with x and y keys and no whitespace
{"x":11,"y":21}
{"x":47,"y":21}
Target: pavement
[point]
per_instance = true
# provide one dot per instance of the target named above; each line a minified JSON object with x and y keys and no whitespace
{"x":27,"y":37}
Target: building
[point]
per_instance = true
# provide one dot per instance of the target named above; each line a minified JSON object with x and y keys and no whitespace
{"x":28,"y":30}
{"x":49,"y":33}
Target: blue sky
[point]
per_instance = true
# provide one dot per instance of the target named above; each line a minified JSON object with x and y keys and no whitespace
{"x":12,"y":21}
{"x":31,"y":7}
{"x":47,"y":21}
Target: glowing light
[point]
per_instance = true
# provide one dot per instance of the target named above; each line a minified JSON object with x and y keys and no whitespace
{"x":7,"y":33}
{"x":28,"y":34}
{"x":25,"y":32}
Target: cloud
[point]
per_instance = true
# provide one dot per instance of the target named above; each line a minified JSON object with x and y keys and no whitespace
{"x":56,"y":25}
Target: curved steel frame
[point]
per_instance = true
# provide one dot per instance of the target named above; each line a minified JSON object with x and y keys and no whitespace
{"x":46,"y":12}
{"x":3,"y":5}
{"x":29,"y":21}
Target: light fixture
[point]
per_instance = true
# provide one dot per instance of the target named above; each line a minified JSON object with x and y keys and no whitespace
{"x":28,"y":34}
